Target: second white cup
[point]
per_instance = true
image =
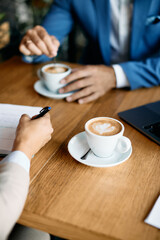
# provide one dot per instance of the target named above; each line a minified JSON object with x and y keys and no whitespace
{"x":104,"y":135}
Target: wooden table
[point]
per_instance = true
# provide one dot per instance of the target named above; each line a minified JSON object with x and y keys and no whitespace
{"x":74,"y":201}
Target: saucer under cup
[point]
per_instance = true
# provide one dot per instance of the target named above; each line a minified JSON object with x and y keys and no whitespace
{"x":78,"y":146}
{"x":40,"y":88}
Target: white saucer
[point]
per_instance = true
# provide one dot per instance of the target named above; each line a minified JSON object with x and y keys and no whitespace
{"x":41,"y":89}
{"x":78,"y":146}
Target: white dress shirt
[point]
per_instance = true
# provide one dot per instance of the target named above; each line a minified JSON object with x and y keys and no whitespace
{"x":121,"y":14}
{"x":19,"y":158}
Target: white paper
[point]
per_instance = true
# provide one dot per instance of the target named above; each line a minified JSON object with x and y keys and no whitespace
{"x":154,"y":216}
{"x":9,"y":119}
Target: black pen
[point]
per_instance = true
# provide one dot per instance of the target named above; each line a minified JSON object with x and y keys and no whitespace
{"x":42,"y":112}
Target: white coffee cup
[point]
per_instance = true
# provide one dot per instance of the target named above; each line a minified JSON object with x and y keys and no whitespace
{"x":52,"y":80}
{"x":104,"y":146}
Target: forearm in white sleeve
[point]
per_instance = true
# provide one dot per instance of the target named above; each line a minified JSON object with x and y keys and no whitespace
{"x":121,"y":78}
{"x":18,"y":157}
{"x":14,"y":184}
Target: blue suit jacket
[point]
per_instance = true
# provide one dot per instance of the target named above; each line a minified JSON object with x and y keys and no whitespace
{"x":143,"y":67}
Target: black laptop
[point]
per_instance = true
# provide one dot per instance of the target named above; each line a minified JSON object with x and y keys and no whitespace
{"x":146,"y":119}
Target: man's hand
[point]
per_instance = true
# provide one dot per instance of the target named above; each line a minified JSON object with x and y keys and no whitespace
{"x":32,"y":135}
{"x":91,"y":83}
{"x":37,"y":42}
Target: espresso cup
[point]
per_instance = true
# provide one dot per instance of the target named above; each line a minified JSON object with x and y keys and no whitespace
{"x":105,"y":135}
{"x":51,"y":78}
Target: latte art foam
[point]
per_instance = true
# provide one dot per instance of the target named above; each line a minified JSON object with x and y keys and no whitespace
{"x":104,"y":127}
{"x":56,"y":69}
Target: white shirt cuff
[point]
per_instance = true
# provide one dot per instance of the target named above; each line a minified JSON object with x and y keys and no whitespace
{"x":121,"y":78}
{"x":19,"y":158}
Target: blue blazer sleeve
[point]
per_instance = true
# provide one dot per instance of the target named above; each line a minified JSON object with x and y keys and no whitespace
{"x":144,"y":73}
{"x":58,"y":22}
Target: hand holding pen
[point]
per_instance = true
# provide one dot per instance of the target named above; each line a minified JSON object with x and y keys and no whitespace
{"x":33,"y":135}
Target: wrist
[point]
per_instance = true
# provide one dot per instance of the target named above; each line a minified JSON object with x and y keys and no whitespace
{"x":113,"y":77}
{"x":18,"y":146}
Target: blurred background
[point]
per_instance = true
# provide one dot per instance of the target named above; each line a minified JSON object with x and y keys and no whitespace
{"x":17,"y":16}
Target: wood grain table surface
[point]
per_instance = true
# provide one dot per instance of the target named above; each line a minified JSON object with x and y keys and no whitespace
{"x":72,"y":200}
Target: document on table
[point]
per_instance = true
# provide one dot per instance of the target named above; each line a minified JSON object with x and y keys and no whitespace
{"x":9,"y":119}
{"x":154,"y":216}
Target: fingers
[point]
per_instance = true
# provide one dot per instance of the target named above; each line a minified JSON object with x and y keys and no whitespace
{"x":44,"y":123}
{"x":28,"y":47}
{"x":37,"y":41}
{"x":24,"y":118}
{"x":78,"y":74}
{"x":47,"y":115}
{"x":46,"y":120}
{"x":88,"y":99}
{"x":81,"y":94}
{"x":87,"y":85}
{"x":23,"y":48}
{"x":55,"y":44}
{"x":76,"y":85}
{"x":84,"y":96}
{"x":51,"y":42}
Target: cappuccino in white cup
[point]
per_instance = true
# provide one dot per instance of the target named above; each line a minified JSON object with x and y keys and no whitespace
{"x":104,"y":135}
{"x":52,"y":74}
